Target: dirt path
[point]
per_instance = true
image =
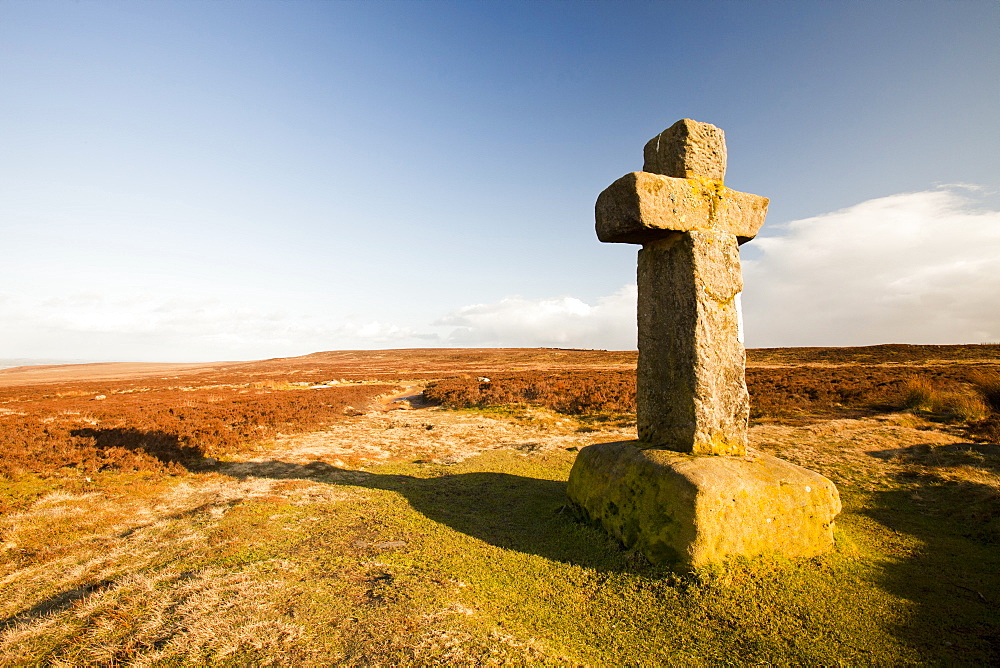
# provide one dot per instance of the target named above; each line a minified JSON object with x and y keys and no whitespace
{"x":411,"y":396}
{"x":403,"y":427}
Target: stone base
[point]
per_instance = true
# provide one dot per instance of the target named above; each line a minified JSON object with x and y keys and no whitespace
{"x":693,"y":510}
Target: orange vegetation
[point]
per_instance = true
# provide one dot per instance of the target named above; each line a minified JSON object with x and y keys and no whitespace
{"x":158,"y":426}
{"x":169,"y":416}
{"x":775,"y":391}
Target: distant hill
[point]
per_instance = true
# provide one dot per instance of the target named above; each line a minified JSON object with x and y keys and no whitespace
{"x":886,"y":353}
{"x":31,"y":361}
{"x":436,"y":362}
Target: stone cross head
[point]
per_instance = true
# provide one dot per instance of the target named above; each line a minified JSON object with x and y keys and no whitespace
{"x":679,"y":190}
{"x":687,"y":149}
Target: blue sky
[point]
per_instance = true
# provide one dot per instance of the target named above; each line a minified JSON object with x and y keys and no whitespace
{"x":184,"y":181}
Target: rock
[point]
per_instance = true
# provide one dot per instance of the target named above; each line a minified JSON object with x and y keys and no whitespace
{"x":690,"y":510}
{"x":691,"y":393}
{"x":99,"y":397}
{"x":391,"y":544}
{"x":687,"y":149}
{"x":641,"y":207}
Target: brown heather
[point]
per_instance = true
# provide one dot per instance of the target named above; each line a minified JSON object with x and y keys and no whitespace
{"x":803,"y":392}
{"x":90,"y":428}
{"x":162,"y":425}
{"x":572,"y":393}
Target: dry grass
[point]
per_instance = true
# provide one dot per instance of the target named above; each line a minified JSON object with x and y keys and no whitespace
{"x":918,"y":394}
{"x":965,"y":405}
{"x":988,"y":385}
{"x":196,"y":617}
{"x":425,"y":536}
{"x":976,"y":403}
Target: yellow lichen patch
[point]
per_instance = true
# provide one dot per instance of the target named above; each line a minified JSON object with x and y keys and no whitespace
{"x":696,"y":510}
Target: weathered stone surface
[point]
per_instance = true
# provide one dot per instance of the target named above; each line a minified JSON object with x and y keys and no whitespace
{"x":691,"y":387}
{"x":641,"y":207}
{"x":690,"y":511}
{"x":658,"y":493}
{"x":687,"y":149}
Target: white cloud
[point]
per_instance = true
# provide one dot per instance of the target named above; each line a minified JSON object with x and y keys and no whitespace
{"x":377,"y":332}
{"x":90,"y":325}
{"x":557,"y":322}
{"x":919,"y":267}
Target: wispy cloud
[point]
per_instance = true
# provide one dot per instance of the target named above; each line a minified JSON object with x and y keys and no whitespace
{"x":561,"y":321}
{"x":165,"y":328}
{"x":920,"y":267}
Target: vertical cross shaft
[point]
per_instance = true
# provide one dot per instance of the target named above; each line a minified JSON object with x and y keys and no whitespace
{"x":691,"y":387}
{"x":691,"y":394}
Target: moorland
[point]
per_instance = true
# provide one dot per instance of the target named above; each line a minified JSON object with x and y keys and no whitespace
{"x":407,"y":507}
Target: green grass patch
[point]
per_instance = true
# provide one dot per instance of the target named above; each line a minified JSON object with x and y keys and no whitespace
{"x":478,"y":562}
{"x":18,"y":494}
{"x":529,"y":572}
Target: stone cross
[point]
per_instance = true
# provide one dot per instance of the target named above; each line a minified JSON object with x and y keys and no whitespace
{"x":691,"y":385}
{"x":652,"y":494}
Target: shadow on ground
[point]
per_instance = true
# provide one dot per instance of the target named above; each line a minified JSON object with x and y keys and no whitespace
{"x":509,"y":511}
{"x":953,"y":577}
{"x":166,"y":447}
{"x":54,"y":604}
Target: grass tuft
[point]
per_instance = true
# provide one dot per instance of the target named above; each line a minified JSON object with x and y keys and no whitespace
{"x":918,"y":394}
{"x":957,"y":405}
{"x":988,"y":385}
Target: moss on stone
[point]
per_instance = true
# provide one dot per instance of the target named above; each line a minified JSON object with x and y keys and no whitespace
{"x":693,"y":510}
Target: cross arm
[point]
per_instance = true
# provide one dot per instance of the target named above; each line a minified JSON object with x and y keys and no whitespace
{"x":641,"y":207}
